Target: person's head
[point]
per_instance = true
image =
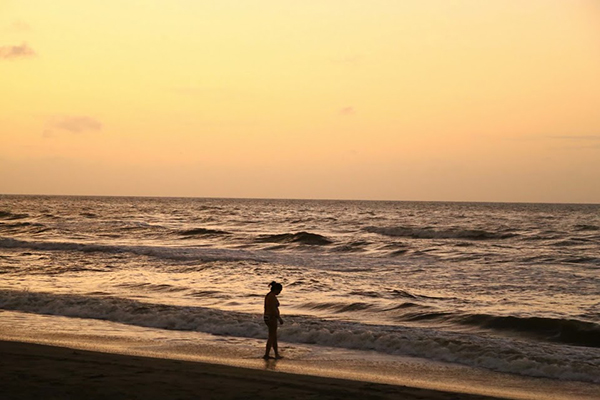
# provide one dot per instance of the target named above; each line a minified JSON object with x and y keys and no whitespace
{"x":275,"y":287}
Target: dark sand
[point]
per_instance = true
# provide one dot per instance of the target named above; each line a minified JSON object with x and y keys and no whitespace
{"x":32,"y":371}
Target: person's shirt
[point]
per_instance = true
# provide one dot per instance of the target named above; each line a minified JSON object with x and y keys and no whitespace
{"x":271,"y":304}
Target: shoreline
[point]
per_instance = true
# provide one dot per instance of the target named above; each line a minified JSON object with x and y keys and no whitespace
{"x":35,"y":335}
{"x":32,"y":371}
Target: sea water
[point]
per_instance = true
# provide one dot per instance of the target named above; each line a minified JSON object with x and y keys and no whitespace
{"x":509,"y":288}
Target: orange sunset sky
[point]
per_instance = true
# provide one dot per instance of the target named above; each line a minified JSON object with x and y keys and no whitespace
{"x":464,"y":100}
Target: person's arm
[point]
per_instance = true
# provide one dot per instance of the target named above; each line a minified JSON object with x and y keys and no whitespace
{"x":278,"y":315}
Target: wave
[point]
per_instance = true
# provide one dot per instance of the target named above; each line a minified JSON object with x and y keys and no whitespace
{"x":582,"y":260}
{"x":203,"y":232}
{"x":23,"y":227}
{"x":572,"y":242}
{"x":499,"y":354}
{"x":347,"y":262}
{"x":408,"y":304}
{"x":153,"y":287}
{"x":10,"y":216}
{"x":366,"y":293}
{"x":566,"y":331}
{"x":431,"y":233}
{"x":352,"y":247}
{"x":164,"y":252}
{"x":89,"y":215}
{"x":584,"y":227}
{"x":300,"y":237}
{"x":394,"y":294}
{"x":338,"y":307}
{"x":403,"y":294}
{"x":206,"y":293}
{"x":136,"y":226}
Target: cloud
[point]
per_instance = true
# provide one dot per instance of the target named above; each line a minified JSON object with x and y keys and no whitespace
{"x":20,"y":26}
{"x":578,"y":141}
{"x":72,"y":124}
{"x":348,"y":111}
{"x":577,"y":137}
{"x":12,"y":52}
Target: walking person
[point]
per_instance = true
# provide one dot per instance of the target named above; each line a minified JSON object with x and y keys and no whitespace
{"x":271,"y":317}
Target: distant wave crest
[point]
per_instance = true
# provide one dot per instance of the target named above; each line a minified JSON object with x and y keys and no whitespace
{"x":23,"y":227}
{"x":164,"y":252}
{"x":338,"y":307}
{"x":202,"y":232}
{"x":10,"y":216}
{"x":300,"y":237}
{"x":585,"y":227}
{"x":431,"y":233}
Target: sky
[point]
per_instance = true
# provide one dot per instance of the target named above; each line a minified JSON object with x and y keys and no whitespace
{"x":433,"y":100}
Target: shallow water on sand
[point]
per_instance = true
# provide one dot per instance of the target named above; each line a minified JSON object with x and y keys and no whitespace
{"x":369,"y":366}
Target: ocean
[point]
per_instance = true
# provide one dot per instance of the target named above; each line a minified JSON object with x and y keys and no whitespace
{"x":509,"y":288}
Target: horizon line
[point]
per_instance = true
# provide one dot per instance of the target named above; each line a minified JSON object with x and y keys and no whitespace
{"x":295,"y":199}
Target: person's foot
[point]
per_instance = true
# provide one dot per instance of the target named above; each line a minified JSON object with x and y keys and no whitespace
{"x":278,"y":357}
{"x":266,"y":357}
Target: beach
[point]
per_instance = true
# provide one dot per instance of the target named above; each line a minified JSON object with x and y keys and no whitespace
{"x":33,"y":371}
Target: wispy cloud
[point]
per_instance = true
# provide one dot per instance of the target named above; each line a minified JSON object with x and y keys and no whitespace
{"x":20,"y":27}
{"x":346,"y":111}
{"x":577,"y":142}
{"x":72,"y":124}
{"x":577,"y":137}
{"x":13,"y":52}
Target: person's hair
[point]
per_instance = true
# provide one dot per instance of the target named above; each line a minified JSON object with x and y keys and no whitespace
{"x":275,"y":286}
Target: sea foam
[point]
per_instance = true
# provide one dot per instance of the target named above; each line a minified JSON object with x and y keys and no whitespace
{"x":499,"y":354}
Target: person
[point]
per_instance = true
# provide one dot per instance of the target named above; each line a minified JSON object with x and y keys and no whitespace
{"x":271,"y":316}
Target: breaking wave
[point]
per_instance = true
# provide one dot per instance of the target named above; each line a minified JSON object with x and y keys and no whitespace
{"x":567,"y":331}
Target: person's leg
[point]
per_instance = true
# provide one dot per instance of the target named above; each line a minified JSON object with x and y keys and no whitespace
{"x":268,"y":349}
{"x":274,"y":340}
{"x":272,"y":326}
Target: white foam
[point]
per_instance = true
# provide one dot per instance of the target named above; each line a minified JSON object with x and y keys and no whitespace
{"x":498,"y":354}
{"x":368,"y":366}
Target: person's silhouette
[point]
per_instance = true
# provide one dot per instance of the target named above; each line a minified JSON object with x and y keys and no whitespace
{"x":271,"y":316}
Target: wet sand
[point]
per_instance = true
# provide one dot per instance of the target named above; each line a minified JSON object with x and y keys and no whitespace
{"x":33,"y":371}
